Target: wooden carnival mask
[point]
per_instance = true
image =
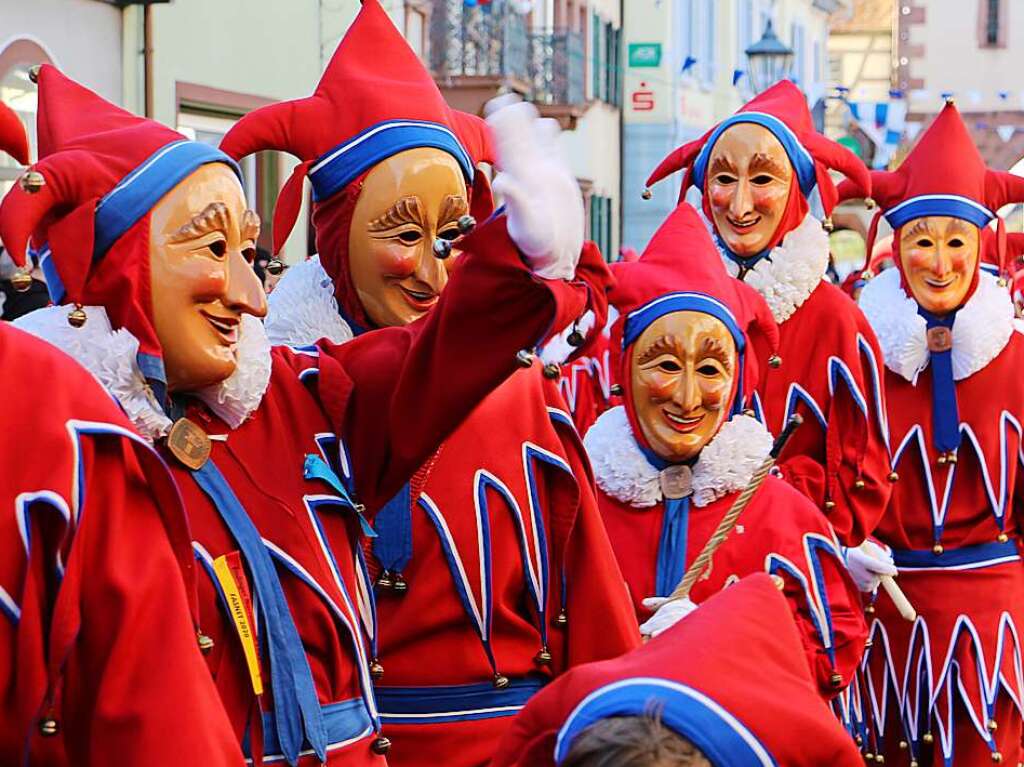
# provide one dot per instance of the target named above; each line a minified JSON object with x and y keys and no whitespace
{"x":938,"y":257}
{"x":749,"y":178}
{"x":682,"y":373}
{"x":407,"y":202}
{"x":202,"y":242}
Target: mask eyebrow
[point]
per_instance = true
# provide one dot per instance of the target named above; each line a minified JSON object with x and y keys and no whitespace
{"x":250,"y":226}
{"x":405,"y":210}
{"x":721,"y":164}
{"x":764,"y":162}
{"x":212,"y":218}
{"x":666,"y":344}
{"x":713,"y":347}
{"x":452,"y":207}
{"x":921,"y":226}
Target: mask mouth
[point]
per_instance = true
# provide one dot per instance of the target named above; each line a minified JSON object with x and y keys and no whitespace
{"x":228,"y":328}
{"x":743,"y":225}
{"x":420,"y":300}
{"x":682,"y":423}
{"x":938,"y":284}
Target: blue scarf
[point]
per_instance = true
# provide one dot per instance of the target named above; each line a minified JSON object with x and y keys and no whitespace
{"x":945,"y":413}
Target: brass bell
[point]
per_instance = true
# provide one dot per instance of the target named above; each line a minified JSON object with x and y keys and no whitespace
{"x":561,"y":619}
{"x":826,"y":224}
{"x":525,"y":358}
{"x":615,"y":389}
{"x":275,"y":266}
{"x":646,"y":193}
{"x":205,"y":643}
{"x":543,"y":657}
{"x":33,"y":72}
{"x":466,"y":223}
{"x":904,"y":745}
{"x":1002,"y":282}
{"x":836,"y":680}
{"x":879,"y":758}
{"x":552,"y":371}
{"x":858,"y":740}
{"x":381,"y":745}
{"x":992,"y":725}
{"x":997,"y":757}
{"x":868,"y":644}
{"x":21,"y":281}
{"x":867,"y":274}
{"x":775,"y":361}
{"x":869,"y":609}
{"x":951,"y":458}
{"x":913,"y":763}
{"x":401,"y":586}
{"x":575,"y":338}
{"x":32,"y":181}
{"x":951,"y":100}
{"x":442,"y":248}
{"x":384,"y":580}
{"x":77,"y":317}
{"x":928,"y":738}
{"x":941,"y":460}
{"x":376,"y":670}
{"x":1002,"y":538}
{"x":829,"y":505}
{"x":869,"y":203}
{"x":894,"y":477}
{"x":937,"y":549}
{"x":859,"y":484}
{"x":48,"y":727}
{"x":500,"y":681}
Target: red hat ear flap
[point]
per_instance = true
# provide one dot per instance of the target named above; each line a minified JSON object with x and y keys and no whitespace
{"x":869,"y":244}
{"x":1002,"y":188}
{"x":475,"y":137}
{"x":839,"y":158}
{"x":481,"y":201}
{"x":826,"y":189}
{"x":288,"y":204}
{"x":13,"y":139}
{"x":678,"y":159}
{"x":269,"y":127}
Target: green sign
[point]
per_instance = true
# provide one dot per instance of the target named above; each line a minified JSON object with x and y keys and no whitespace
{"x":645,"y":54}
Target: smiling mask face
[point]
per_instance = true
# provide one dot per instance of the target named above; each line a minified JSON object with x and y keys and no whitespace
{"x":682,"y":370}
{"x":407,"y":202}
{"x":749,"y":178}
{"x":939,"y":255}
{"x":202,"y":241}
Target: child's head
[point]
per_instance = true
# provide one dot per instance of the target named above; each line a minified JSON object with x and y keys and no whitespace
{"x":632,"y":741}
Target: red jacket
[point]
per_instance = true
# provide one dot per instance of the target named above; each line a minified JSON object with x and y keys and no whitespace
{"x":97,"y":629}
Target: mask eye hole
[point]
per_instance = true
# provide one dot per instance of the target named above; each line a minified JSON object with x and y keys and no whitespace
{"x":725,"y":179}
{"x":669,"y":366}
{"x":219,"y":248}
{"x":450,"y":233}
{"x":409,"y":237}
{"x":925,"y":242}
{"x":249,"y":254}
{"x":761,"y":179}
{"x":956,"y":242}
{"x":707,"y":369}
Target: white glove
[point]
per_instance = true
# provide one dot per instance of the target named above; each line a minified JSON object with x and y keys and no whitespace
{"x":667,"y":613}
{"x":542,"y":199}
{"x":868,"y":564}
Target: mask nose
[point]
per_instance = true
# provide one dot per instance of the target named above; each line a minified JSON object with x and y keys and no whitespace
{"x":431,"y":270}
{"x":687,"y":393}
{"x":244,"y":293}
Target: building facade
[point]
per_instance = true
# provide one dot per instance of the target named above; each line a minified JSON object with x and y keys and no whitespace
{"x":686,"y":69}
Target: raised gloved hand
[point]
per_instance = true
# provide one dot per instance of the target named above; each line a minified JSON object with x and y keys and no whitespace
{"x":542,"y":199}
{"x":667,"y":613}
{"x":868,"y":564}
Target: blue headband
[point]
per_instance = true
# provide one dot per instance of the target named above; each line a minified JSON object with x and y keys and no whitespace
{"x":800,"y":158}
{"x":340,"y":166}
{"x":939,"y":205}
{"x":720,"y":736}
{"x":136,"y":194}
{"x":640,"y":319}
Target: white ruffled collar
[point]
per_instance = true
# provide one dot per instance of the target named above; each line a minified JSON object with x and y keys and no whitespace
{"x":790,"y":274}
{"x":111,"y":356}
{"x":980,"y":332}
{"x":302,"y":308}
{"x":725,"y":465}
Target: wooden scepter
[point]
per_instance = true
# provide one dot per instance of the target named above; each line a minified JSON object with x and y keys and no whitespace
{"x":682,"y":591}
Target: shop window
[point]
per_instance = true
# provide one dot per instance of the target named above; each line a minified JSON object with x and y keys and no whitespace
{"x":417,"y":26}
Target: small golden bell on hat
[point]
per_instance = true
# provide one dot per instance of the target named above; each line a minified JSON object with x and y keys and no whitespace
{"x":500,"y":681}
{"x":775,"y":361}
{"x":646,"y":193}
{"x":376,"y":670}
{"x":552,"y":371}
{"x":32,"y":181}
{"x":21,"y":281}
{"x":33,"y":72}
{"x":205,"y":643}
{"x":381,"y":746}
{"x":543,"y":657}
{"x":275,"y":266}
{"x":48,"y":727}
{"x":525,"y":358}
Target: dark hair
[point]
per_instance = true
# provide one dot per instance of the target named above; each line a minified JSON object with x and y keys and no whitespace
{"x":633,"y":741}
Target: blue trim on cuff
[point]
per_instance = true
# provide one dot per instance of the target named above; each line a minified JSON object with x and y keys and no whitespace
{"x":939,"y":205}
{"x":137,"y":193}
{"x":800,"y":158}
{"x":720,"y":736}
{"x":338,"y":167}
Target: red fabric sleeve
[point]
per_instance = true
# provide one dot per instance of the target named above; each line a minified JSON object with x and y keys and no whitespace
{"x":398,"y":392}
{"x":135,"y":689}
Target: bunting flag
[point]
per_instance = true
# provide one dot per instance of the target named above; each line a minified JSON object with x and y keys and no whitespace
{"x":687,"y":64}
{"x":737,"y":75}
{"x":884,"y":123}
{"x":1006,"y":132}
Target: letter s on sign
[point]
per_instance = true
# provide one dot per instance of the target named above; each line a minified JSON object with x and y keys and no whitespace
{"x":643,"y":101}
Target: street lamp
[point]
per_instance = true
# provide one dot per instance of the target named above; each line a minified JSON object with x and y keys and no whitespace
{"x":769,"y":60}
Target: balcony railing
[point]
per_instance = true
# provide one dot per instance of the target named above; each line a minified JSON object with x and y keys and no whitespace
{"x":477,"y":51}
{"x":557,"y":67}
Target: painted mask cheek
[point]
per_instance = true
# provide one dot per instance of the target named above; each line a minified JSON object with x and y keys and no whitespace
{"x":397,"y":260}
{"x":720,"y":195}
{"x":768,"y":198}
{"x":713,"y":394}
{"x":659,"y":386}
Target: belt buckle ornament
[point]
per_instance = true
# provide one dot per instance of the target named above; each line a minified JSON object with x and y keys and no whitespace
{"x":676,"y":481}
{"x":189,"y":443}
{"x":940,"y":339}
